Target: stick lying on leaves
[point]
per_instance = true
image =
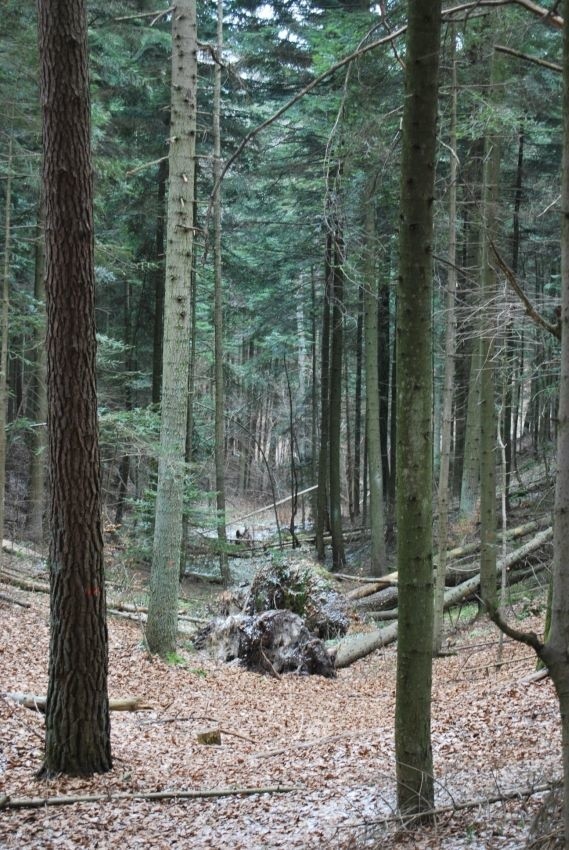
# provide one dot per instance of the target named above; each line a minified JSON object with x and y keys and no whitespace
{"x":37,"y":703}
{"x":38,"y":802}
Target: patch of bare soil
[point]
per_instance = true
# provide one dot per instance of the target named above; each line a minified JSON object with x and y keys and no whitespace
{"x":331,"y":741}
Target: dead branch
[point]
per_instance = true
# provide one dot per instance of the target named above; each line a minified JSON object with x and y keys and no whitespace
{"x":39,"y":802}
{"x":531,"y":311}
{"x":553,"y":66}
{"x":477,"y":802}
{"x":38,"y":703}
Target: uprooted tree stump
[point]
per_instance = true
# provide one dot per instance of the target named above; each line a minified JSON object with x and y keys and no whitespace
{"x":272,"y":642}
{"x":301,"y":590}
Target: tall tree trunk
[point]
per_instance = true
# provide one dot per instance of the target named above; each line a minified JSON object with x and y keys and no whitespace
{"x":511,"y":341}
{"x":159,"y":285}
{"x":4,"y":327}
{"x":414,"y":761}
{"x":38,"y":412}
{"x":218,"y":310}
{"x":378,"y":564}
{"x":349,"y":456}
{"x":335,"y":411}
{"x":448,"y":380}
{"x":161,"y":626}
{"x":488,"y":423}
{"x":77,"y":728}
{"x":124,"y":465}
{"x":383,"y":322}
{"x":358,"y":404}
{"x":322,"y":516}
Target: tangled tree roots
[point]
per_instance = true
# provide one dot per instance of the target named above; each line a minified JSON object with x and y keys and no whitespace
{"x":302,"y":591}
{"x":270,"y":642}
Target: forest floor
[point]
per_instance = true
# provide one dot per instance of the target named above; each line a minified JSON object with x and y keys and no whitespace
{"x":327,"y":744}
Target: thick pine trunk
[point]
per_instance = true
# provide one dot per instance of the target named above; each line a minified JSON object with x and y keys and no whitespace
{"x":415,"y":790}
{"x":77,"y":716}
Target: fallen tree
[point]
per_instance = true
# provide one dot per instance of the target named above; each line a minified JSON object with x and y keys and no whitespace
{"x":354,"y":647}
{"x":373,"y":586}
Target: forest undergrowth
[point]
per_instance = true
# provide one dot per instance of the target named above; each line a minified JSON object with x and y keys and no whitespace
{"x":327,"y":745}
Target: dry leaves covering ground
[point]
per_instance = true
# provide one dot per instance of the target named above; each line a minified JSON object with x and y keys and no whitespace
{"x":331,"y":740}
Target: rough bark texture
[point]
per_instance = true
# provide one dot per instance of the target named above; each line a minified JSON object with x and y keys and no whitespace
{"x":161,"y":628}
{"x":77,"y":717}
{"x":414,"y":406}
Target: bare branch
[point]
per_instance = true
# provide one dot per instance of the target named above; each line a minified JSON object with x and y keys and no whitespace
{"x":536,"y":61}
{"x":531,"y":311}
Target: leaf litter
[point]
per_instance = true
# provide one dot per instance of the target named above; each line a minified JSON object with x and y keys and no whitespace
{"x":330,"y":740}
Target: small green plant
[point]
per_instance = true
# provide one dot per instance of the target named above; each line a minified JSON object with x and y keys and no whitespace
{"x":175,"y":659}
{"x":199,"y":672}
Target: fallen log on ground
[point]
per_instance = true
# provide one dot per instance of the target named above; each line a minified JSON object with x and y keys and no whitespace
{"x":38,"y":703}
{"x":23,"y":584}
{"x":7,"y":802}
{"x":129,"y":608}
{"x":352,"y":648}
{"x":380,"y":601}
{"x":375,"y":585}
{"x":12,"y":601}
{"x":370,"y":589}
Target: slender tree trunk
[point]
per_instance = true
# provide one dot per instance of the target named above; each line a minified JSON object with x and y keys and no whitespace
{"x":313,"y":401}
{"x":488,"y":423}
{"x":378,"y":564}
{"x":511,"y":346}
{"x":34,"y":521}
{"x":161,"y":627}
{"x":77,"y":736}
{"x":191,"y":382}
{"x":124,"y":465}
{"x":448,"y":380}
{"x":414,"y":762}
{"x":322,"y":517}
{"x":4,"y":328}
{"x":349,"y":456}
{"x":383,"y":321}
{"x":335,"y":410}
{"x":358,"y":404}
{"x":218,"y":310}
{"x":158,"y":277}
